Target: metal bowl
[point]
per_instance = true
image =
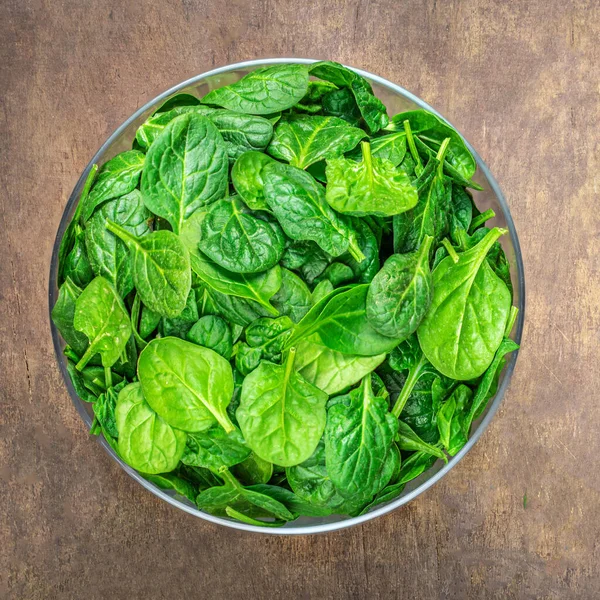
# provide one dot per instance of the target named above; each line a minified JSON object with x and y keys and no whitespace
{"x":397,"y":100}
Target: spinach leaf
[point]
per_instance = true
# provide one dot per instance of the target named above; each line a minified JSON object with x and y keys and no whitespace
{"x":187,"y":385}
{"x":146,"y":442}
{"x":358,"y":436}
{"x":337,"y":274}
{"x":119,"y":176}
{"x":366,"y":269}
{"x":341,"y":322}
{"x":74,"y":227}
{"x":484,"y":389}
{"x":298,"y":202}
{"x":254,"y":471}
{"x":63,"y":314}
{"x":293,"y":298}
{"x":322,"y":289}
{"x":408,"y":440}
{"x":177,"y":101}
{"x":186,"y":169}
{"x":281,"y":415}
{"x":243,"y":500}
{"x":373,"y":111}
{"x":77,"y":264}
{"x":341,"y":103}
{"x":414,"y":465}
{"x":269,"y":335}
{"x":373,"y":186}
{"x":160,"y":266}
{"x":214,"y":333}
{"x":307,"y":258}
{"x":291,"y":501}
{"x":329,"y":370}
{"x":429,"y":216}
{"x":247,"y":179}
{"x":263,"y":91}
{"x":387,"y":494}
{"x":247,"y":358}
{"x":391,"y":147}
{"x":312,"y":102}
{"x":169,"y":481}
{"x":401,"y":293}
{"x":310,"y":481}
{"x":256,"y":287}
{"x":431,"y":130}
{"x":451,"y":420}
{"x":304,"y":140}
{"x":241,"y":132}
{"x":180,"y":325}
{"x":214,"y":449}
{"x":238,"y":240}
{"x":467,"y":317}
{"x":101,"y":315}
{"x":109,"y":255}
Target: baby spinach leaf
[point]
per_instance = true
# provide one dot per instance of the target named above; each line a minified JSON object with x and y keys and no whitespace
{"x":366,"y":269}
{"x":263,"y":91}
{"x":342,"y":324}
{"x":293,"y":298}
{"x":414,"y":465}
{"x":429,"y":216}
{"x":214,"y":448}
{"x":483,"y":391}
{"x":63,"y":314}
{"x":168,"y":481}
{"x":304,"y":140}
{"x":431,"y":130}
{"x":322,"y":289}
{"x":391,"y":147}
{"x":187,"y":385}
{"x":358,"y":436}
{"x":101,"y":315}
{"x":451,"y":420}
{"x":461,"y":211}
{"x":241,"y":132}
{"x":104,"y":410}
{"x":233,"y":495}
{"x":239,"y":311}
{"x":257,"y":287}
{"x":291,"y":501}
{"x":254,"y":471}
{"x":186,"y":169}
{"x":307,"y":258}
{"x":337,"y":274}
{"x":281,"y":415}
{"x":247,"y":358}
{"x":310,"y":481}
{"x":239,"y":240}
{"x":146,"y":442}
{"x":74,"y":227}
{"x":467,"y":317}
{"x":176,"y":101}
{"x":180,"y":325}
{"x":269,"y":335}
{"x":373,"y":186}
{"x":329,"y":370}
{"x":109,"y":255}
{"x":373,"y":111}
{"x":298,"y":202}
{"x":214,"y":333}
{"x":342,"y":104}
{"x":149,"y":321}
{"x":387,"y":494}
{"x":408,"y":440}
{"x":76,"y":264}
{"x":160,"y":266}
{"x":247,"y":179}
{"x":401,"y":293}
{"x":117,"y":177}
{"x":312,"y":102}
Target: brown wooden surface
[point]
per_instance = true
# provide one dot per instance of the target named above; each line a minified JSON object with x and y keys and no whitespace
{"x":520,"y":79}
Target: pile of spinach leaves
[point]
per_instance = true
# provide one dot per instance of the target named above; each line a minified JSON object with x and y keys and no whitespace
{"x":281,"y":301}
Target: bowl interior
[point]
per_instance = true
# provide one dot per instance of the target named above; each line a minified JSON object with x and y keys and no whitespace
{"x":397,"y":100}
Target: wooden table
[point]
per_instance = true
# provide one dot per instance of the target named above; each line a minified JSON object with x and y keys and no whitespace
{"x":520,"y":80}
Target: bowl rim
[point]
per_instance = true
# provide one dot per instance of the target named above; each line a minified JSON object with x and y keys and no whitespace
{"x":309,"y":529}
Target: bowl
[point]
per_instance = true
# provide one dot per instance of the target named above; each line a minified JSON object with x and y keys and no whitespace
{"x":397,"y":99}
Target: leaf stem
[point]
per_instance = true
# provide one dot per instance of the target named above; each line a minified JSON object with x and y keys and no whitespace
{"x":107,"y":377}
{"x":450,"y":249}
{"x":441,"y":156}
{"x":85,"y":359}
{"x":121,"y":233}
{"x":481,"y":219}
{"x":413,"y":148}
{"x":512,"y":317}
{"x":413,"y":376}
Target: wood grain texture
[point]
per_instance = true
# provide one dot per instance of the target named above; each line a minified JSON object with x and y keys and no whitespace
{"x":520,"y":80}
